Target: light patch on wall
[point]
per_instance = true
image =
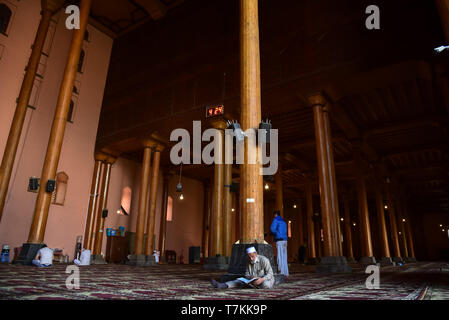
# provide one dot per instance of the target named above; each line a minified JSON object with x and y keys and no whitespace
{"x":289,"y":231}
{"x":170,"y":209}
{"x":125,"y":204}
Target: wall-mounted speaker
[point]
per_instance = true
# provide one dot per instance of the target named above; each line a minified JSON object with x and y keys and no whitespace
{"x":33,"y":184}
{"x":51,"y":186}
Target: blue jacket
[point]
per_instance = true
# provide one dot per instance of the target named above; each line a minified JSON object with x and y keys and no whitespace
{"x":279,"y":229}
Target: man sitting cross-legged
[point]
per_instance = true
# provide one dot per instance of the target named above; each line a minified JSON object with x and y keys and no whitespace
{"x":258,"y":268}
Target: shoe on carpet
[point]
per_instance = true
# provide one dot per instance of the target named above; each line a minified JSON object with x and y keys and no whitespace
{"x":219,"y":285}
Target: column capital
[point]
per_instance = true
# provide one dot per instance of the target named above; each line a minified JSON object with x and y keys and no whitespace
{"x":317,"y":99}
{"x":52,"y":5}
{"x":159,"y":148}
{"x":110,"y":160}
{"x":100,"y":156}
{"x":149,"y":143}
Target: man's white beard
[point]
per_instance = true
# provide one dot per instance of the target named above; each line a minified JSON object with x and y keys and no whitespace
{"x":254,"y":261}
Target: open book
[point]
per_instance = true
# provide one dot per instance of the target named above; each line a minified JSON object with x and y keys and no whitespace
{"x":246,"y":280}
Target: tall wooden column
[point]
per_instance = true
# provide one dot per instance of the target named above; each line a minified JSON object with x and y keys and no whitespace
{"x":103,"y":204}
{"x":386,"y":257}
{"x":251,"y":181}
{"x":333,"y":181}
{"x":143,"y":198}
{"x":227,"y":211}
{"x":279,"y":204}
{"x":393,"y":226}
{"x":310,"y":225}
{"x":408,"y":230}
{"x":93,"y":201}
{"x":348,"y":229}
{"x":206,"y":219}
{"x":151,"y":220}
{"x":163,"y":224}
{"x":37,"y":230}
{"x":326,"y":193}
{"x":300,"y":225}
{"x":401,"y":226}
{"x":217,"y":196}
{"x":9,"y":155}
{"x":366,"y":242}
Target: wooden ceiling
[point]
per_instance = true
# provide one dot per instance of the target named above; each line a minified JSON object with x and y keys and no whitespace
{"x":385,"y":87}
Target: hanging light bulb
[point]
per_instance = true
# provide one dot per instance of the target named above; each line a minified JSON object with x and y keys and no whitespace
{"x":354,"y":224}
{"x":403,"y":220}
{"x":385,"y":207}
{"x":232,"y":209}
{"x":294,"y":206}
{"x":267,"y":186}
{"x":342,"y":219}
{"x":181,"y":197}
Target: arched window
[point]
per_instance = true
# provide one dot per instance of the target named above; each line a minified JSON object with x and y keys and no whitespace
{"x":61,"y":188}
{"x":70,"y":113}
{"x":5,"y":18}
{"x":125,"y":204}
{"x":81,"y":61}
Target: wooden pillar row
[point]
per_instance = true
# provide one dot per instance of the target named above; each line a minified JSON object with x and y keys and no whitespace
{"x":37,"y":230}
{"x":386,"y":256}
{"x":163,"y":224}
{"x":227,"y":210}
{"x":103,"y":204}
{"x":279,"y":204}
{"x":393,"y":225}
{"x":93,"y":201}
{"x":310,"y":224}
{"x":348,"y":229}
{"x":206,"y":219}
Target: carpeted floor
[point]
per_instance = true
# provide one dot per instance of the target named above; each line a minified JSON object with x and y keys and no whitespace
{"x":420,"y":281}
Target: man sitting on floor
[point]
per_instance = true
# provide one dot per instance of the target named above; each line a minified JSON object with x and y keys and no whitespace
{"x":258,"y":268}
{"x":44,"y":257}
{"x":84,"y":259}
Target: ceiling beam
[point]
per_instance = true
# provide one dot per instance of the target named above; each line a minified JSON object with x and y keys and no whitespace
{"x":155,"y":8}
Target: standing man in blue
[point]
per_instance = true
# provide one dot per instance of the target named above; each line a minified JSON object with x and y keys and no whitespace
{"x":279,"y":231}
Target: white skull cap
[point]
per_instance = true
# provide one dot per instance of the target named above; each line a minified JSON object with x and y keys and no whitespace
{"x":251,"y":250}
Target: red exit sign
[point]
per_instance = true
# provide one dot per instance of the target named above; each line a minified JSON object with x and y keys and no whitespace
{"x":214,"y":111}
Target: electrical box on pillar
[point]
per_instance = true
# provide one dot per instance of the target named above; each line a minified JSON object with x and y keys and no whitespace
{"x":51,"y":185}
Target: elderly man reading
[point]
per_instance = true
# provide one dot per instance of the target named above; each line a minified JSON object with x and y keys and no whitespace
{"x":258,"y":272}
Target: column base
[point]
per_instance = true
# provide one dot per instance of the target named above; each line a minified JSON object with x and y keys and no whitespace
{"x":97,"y":259}
{"x":366,"y":261}
{"x":313,"y":261}
{"x":239,"y":261}
{"x":410,"y":260}
{"x":386,"y":261}
{"x":398,"y":260}
{"x":216,"y":263}
{"x":28,"y":253}
{"x":351,"y":260}
{"x":137,"y":260}
{"x":333,"y":265}
{"x":150,"y":261}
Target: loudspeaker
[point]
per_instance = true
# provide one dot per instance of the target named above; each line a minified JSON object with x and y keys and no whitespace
{"x":105,"y":213}
{"x":50,"y":187}
{"x":33,"y":184}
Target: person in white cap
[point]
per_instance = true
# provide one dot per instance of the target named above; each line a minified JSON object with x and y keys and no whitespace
{"x":258,"y":270}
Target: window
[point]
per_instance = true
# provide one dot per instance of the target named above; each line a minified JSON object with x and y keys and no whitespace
{"x":81,"y":61}
{"x":125,"y":204}
{"x":5,"y":18}
{"x":170,"y":209}
{"x":61,"y":188}
{"x":70,"y":113}
{"x":289,"y":230}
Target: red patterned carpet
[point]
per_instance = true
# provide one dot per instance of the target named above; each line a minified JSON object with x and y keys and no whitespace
{"x":191,"y":282}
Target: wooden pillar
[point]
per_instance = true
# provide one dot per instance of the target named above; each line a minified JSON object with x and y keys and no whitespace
{"x":143,"y":197}
{"x":348,"y":229}
{"x":163,"y":224}
{"x":382,"y":224}
{"x":9,"y":155}
{"x":300,"y":225}
{"x":408,"y":229}
{"x":401,"y":225}
{"x":333,"y":181}
{"x":37,"y":230}
{"x":151,"y":220}
{"x":279,"y":204}
{"x":227,"y":211}
{"x":326,"y":192}
{"x":251,"y":181}
{"x":93,"y":201}
{"x":310,"y":223}
{"x":217,"y":196}
{"x":103,"y":204}
{"x":393,"y":226}
{"x":206,"y":219}
{"x":366,"y":242}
